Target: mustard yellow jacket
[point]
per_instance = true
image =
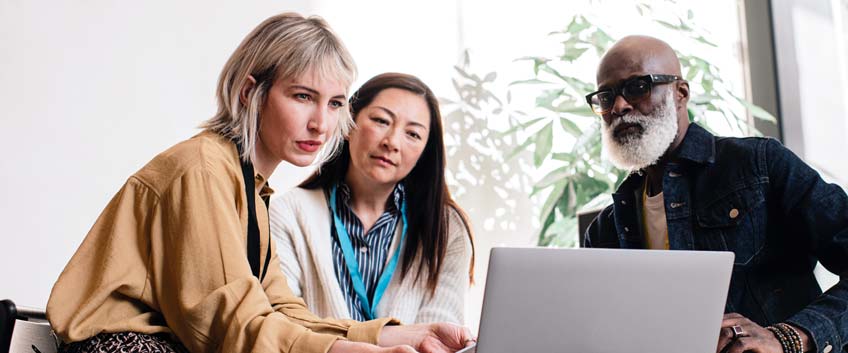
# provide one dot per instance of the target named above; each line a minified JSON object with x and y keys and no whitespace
{"x":168,"y":255}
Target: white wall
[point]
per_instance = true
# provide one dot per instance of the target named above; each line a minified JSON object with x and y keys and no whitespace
{"x":90,"y":91}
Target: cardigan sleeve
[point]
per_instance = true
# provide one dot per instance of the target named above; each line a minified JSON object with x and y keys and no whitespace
{"x":447,"y":303}
{"x":282,"y":219}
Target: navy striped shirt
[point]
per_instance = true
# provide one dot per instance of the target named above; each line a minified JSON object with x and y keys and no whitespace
{"x":370,"y":250}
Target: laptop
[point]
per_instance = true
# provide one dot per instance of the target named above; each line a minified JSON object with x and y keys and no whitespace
{"x":603,"y":301}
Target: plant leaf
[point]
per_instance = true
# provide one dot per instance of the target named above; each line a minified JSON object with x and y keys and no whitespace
{"x":532,"y":81}
{"x":544,"y":143}
{"x":570,"y":127}
{"x":553,"y":198}
{"x":553,"y":177}
{"x":519,"y":149}
{"x":757,"y":111}
{"x":521,"y":126}
{"x":573,"y":54}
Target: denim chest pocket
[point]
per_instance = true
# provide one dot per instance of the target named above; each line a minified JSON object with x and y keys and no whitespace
{"x":733,"y":222}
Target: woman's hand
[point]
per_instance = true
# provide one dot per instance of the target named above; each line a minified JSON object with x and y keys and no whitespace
{"x":427,"y":338}
{"x":342,"y":346}
{"x":756,"y":339}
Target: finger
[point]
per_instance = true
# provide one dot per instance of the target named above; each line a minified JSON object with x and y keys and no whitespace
{"x":743,"y":344}
{"x":724,"y":338}
{"x":404,"y":349}
{"x":737,"y":321}
{"x":435,"y":345}
{"x":468,"y":338}
{"x":732,"y":315}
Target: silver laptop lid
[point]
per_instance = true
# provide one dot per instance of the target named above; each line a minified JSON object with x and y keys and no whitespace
{"x":603,"y":300}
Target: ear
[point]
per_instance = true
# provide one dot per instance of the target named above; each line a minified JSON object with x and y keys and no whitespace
{"x":682,"y":93}
{"x":248,"y":86}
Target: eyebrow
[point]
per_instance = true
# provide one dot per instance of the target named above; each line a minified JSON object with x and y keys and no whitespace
{"x":313,"y":91}
{"x":395,"y":116}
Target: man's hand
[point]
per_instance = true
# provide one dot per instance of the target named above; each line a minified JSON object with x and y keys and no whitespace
{"x":427,"y":338}
{"x":758,"y":339}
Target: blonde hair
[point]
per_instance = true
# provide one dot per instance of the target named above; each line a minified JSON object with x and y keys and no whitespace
{"x":285,"y":45}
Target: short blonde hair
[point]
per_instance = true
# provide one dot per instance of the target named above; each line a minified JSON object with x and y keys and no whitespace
{"x":285,"y":45}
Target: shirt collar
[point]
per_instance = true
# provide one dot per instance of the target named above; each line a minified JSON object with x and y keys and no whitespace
{"x":392,"y":204}
{"x":265,"y":189}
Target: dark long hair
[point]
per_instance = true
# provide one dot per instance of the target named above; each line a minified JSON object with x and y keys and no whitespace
{"x":429,"y":202}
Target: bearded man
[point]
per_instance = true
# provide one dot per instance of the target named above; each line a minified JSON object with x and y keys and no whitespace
{"x":690,"y":190}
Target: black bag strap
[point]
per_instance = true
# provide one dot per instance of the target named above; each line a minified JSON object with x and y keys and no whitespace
{"x":253,"y":245}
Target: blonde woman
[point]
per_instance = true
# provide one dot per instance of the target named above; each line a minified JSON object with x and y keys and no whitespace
{"x":376,"y":232}
{"x":181,"y":259}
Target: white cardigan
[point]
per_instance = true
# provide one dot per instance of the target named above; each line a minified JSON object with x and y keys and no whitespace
{"x":300,"y":224}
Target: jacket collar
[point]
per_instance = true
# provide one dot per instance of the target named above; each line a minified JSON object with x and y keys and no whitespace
{"x":698,"y":145}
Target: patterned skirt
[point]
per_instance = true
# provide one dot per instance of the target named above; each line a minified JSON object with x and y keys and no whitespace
{"x":125,"y":342}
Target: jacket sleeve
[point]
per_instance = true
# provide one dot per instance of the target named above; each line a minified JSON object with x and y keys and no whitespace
{"x":817,"y":212}
{"x":601,"y":232}
{"x":447,"y":302}
{"x":204,"y":285}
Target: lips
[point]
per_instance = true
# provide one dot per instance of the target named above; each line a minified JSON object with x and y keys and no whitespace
{"x":309,"y":145}
{"x":384,"y":160}
{"x":627,"y":129}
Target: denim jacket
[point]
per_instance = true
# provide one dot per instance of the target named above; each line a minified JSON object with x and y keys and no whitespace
{"x":754,"y":197}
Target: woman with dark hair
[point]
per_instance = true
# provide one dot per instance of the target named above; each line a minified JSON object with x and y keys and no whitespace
{"x":375,"y":232}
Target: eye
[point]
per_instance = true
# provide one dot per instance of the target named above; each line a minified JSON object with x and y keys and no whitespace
{"x":414,"y":135}
{"x":637,"y":87}
{"x":380,"y":121}
{"x":302,"y":96}
{"x":337,"y":104}
{"x":605,"y":98}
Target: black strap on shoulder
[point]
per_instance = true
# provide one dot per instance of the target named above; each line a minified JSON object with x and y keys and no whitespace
{"x":253,"y":245}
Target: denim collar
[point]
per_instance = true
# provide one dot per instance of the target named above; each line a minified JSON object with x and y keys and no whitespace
{"x":698,"y":145}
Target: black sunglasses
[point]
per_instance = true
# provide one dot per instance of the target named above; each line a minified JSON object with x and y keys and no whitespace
{"x":633,"y":90}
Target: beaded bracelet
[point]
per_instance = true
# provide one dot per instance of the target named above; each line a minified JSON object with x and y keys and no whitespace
{"x":788,"y":336}
{"x":784,"y":342}
{"x":796,"y":336}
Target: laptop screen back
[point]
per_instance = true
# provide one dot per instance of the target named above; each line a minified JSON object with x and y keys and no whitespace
{"x":603,"y":300}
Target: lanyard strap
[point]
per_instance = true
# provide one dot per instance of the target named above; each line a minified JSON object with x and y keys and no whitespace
{"x":353,"y":265}
{"x":253,"y":246}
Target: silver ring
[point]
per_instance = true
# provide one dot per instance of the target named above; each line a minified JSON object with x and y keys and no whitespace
{"x":738,"y":331}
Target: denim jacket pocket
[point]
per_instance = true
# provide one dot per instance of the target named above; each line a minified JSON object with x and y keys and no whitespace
{"x":732,"y":223}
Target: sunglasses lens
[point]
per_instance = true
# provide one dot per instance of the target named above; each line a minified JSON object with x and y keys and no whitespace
{"x":636,"y":90}
{"x":602,"y":102}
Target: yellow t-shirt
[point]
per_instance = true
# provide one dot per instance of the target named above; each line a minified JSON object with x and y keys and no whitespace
{"x":653,"y":220}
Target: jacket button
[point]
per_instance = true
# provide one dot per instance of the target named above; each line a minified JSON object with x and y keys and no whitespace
{"x":623,"y":202}
{"x":827,"y":349}
{"x":626,"y":229}
{"x":673,"y":174}
{"x":734,"y":213}
{"x":363,"y":249}
{"x":676,"y":204}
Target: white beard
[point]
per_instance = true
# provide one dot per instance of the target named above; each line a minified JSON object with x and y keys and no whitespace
{"x":637,"y":151}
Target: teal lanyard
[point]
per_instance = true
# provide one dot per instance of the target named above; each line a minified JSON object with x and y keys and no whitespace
{"x":353,"y":265}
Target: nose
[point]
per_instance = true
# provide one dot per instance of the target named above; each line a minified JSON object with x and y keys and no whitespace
{"x":390,"y":140}
{"x":320,"y":120}
{"x":620,"y":107}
